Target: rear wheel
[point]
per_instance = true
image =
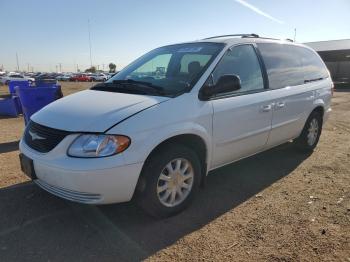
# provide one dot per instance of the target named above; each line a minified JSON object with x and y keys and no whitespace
{"x":311,"y":133}
{"x":169,"y":181}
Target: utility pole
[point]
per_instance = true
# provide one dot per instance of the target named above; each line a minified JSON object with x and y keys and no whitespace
{"x":295,"y":34}
{"x":90,"y":42}
{"x":56,"y":68}
{"x":103,"y":67}
{"x":60,"y":67}
{"x":17,"y":62}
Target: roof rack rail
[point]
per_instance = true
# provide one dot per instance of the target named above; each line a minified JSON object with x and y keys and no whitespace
{"x":247,"y":36}
{"x":241,"y":35}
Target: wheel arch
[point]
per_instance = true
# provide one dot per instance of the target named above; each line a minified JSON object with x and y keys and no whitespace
{"x":319,"y":109}
{"x":192,"y":141}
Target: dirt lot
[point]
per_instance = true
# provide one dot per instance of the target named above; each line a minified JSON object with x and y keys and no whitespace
{"x":276,"y":206}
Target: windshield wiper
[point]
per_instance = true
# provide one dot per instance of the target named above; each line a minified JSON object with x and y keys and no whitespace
{"x":139,"y":83}
{"x":124,"y":86}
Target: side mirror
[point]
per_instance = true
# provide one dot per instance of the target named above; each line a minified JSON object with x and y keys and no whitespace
{"x":225,"y":84}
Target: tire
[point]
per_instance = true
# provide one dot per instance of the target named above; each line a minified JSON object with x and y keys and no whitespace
{"x":308,"y":139}
{"x":150,"y":181}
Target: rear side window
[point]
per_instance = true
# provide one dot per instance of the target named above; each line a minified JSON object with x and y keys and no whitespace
{"x":284,"y":67}
{"x":289,"y":65}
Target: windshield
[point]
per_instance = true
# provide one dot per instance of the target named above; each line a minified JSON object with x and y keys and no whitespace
{"x":171,"y":69}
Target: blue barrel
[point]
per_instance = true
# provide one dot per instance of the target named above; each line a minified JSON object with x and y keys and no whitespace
{"x":14,"y":84}
{"x":34,"y":99}
{"x":8,"y":107}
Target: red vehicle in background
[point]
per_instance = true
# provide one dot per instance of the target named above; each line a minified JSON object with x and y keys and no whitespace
{"x":81,"y":78}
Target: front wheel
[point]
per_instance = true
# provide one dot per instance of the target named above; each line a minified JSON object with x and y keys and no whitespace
{"x":169,"y":181}
{"x":308,"y":139}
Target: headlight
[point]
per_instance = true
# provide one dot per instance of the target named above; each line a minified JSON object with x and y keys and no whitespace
{"x":95,"y":145}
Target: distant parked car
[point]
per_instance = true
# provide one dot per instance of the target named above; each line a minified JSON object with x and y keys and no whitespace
{"x":15,"y":77}
{"x":46,"y":78}
{"x":81,"y":78}
{"x":99,"y":77}
{"x":65,"y":77}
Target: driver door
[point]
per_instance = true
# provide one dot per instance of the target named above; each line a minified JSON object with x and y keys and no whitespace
{"x":242,"y":118}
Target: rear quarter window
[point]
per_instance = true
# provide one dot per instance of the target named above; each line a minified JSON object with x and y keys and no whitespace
{"x":313,"y":66}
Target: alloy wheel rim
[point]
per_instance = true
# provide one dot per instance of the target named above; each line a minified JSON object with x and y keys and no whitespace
{"x":175,"y":182}
{"x":312,"y":132}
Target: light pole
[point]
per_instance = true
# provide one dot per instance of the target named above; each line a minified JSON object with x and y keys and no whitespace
{"x":17,"y":62}
{"x":90,"y":42}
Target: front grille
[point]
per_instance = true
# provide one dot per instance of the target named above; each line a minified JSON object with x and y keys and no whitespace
{"x":42,"y":138}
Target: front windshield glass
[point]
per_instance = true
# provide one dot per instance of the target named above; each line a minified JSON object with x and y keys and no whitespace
{"x":173,"y":69}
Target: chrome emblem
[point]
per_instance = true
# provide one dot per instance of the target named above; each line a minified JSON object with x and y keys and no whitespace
{"x":35,"y":136}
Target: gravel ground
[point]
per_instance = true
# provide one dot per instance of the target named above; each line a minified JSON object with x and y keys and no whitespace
{"x":276,"y":206}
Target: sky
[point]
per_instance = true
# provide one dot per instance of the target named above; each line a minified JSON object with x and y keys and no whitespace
{"x":47,"y":34}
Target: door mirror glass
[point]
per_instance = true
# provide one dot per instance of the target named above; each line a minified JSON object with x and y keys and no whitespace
{"x":225,"y":84}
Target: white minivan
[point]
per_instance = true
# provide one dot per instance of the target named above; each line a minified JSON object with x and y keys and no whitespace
{"x":155,"y":129}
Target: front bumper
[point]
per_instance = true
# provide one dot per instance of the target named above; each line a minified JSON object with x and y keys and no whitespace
{"x":90,"y":181}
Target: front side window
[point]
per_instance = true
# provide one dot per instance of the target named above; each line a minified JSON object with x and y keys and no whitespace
{"x":243,"y":62}
{"x":169,"y":70}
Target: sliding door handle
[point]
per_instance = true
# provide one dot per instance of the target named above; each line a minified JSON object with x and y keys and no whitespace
{"x":266,"y":108}
{"x":280,"y":105}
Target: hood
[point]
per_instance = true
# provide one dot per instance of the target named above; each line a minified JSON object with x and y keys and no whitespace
{"x":93,"y":111}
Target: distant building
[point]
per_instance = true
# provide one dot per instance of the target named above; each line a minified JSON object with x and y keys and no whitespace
{"x":336,"y":55}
